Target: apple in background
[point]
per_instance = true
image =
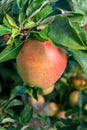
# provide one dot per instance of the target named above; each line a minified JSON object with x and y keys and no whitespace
{"x":6,"y":37}
{"x":79,"y":83}
{"x":40,"y":100}
{"x":53,"y":109}
{"x":47,"y":90}
{"x":85,"y":27}
{"x":61,"y":114}
{"x":37,"y":104}
{"x":73,"y":98}
{"x":40,"y":64}
{"x":85,"y":107}
{"x":40,"y":106}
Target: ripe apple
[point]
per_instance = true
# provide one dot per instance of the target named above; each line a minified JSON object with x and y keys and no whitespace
{"x":61,"y":114}
{"x":40,"y":64}
{"x":73,"y":98}
{"x":53,"y":108}
{"x":79,"y":83}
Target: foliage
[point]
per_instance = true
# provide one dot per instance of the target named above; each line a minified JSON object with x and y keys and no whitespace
{"x":63,"y":23}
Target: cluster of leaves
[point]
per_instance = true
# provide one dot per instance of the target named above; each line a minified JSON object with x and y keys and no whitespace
{"x":60,"y":21}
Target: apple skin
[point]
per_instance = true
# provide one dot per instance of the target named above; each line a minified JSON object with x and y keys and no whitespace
{"x":40,"y":100}
{"x":79,"y":83}
{"x":37,"y":103}
{"x":53,"y":108}
{"x":62,"y":115}
{"x":73,"y":98}
{"x":6,"y":37}
{"x":47,"y":90}
{"x":40,"y":64}
{"x":85,"y":27}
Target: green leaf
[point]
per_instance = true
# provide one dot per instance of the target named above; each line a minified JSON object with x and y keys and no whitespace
{"x":6,"y":23}
{"x":81,"y":58}
{"x":9,"y":111}
{"x":33,"y":6}
{"x":5,"y":5}
{"x":81,"y":31}
{"x":6,"y":120}
{"x":36,"y":6}
{"x":15,"y":32}
{"x":10,"y":51}
{"x":13,"y":103}
{"x":44,"y":13}
{"x":76,"y":17}
{"x":10,"y":41}
{"x":26,"y":115}
{"x":22,"y":3}
{"x":33,"y":92}
{"x":61,"y":32}
{"x":4,"y":30}
{"x":29,"y":24}
{"x":18,"y":91}
{"x":79,"y":6}
{"x":21,"y":17}
{"x":44,"y":34}
{"x":19,"y":3}
{"x":27,"y":127}
{"x":11,"y":21}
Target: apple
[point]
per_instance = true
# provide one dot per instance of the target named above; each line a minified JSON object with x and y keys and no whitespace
{"x":73,"y":98}
{"x":85,"y":27}
{"x":61,"y":114}
{"x":79,"y":83}
{"x":37,"y":104}
{"x":53,"y":108}
{"x":85,"y":107}
{"x":40,"y":64}
{"x":40,"y":100}
{"x":6,"y":37}
{"x":47,"y":90}
{"x":76,"y":82}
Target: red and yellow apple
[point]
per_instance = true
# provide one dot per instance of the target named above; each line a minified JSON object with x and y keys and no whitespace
{"x":40,"y":64}
{"x":62,"y":114}
{"x":79,"y":83}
